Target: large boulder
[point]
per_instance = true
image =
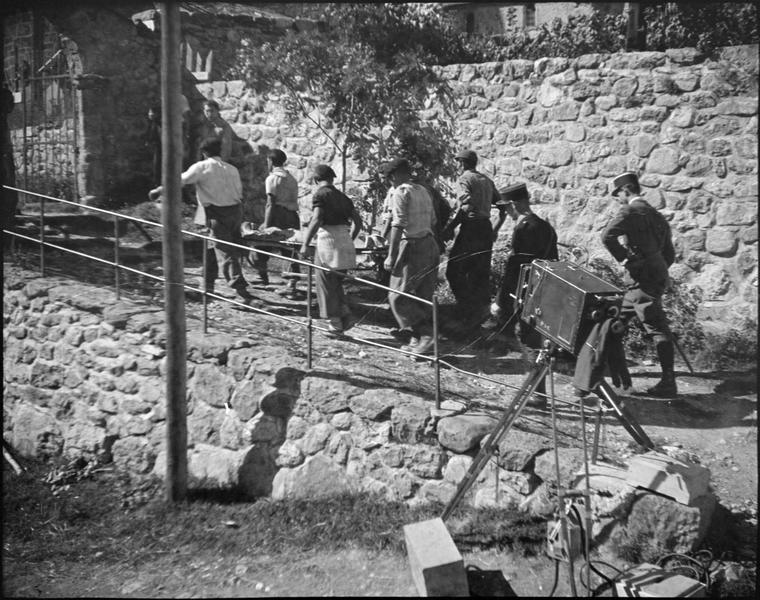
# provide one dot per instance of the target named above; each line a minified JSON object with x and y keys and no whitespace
{"x":36,"y":433}
{"x":462,"y":433}
{"x":518,"y":449}
{"x":317,"y":477}
{"x":657,"y":525}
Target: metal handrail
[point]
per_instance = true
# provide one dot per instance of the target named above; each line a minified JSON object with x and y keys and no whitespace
{"x":435,"y":358}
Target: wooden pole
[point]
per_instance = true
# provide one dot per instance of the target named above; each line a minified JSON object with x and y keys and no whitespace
{"x":173,"y":259}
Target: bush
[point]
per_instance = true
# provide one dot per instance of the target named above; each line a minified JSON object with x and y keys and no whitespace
{"x":704,"y":25}
{"x":734,"y":349}
{"x":578,"y":35}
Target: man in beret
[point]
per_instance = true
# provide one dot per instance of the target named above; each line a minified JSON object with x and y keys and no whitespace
{"x":646,"y":255}
{"x":469,"y":266}
{"x":532,"y":238}
{"x":412,"y":255}
{"x":281,"y":211}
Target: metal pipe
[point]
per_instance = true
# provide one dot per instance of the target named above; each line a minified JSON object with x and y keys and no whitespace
{"x":205,"y":286}
{"x":437,"y":362}
{"x":309,"y":320}
{"x":25,"y":118}
{"x":116,"y":256}
{"x":42,"y":237}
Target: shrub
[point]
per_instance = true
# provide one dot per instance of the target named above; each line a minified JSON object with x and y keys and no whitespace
{"x":704,"y":25}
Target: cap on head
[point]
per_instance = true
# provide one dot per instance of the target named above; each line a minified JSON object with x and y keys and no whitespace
{"x":624,"y":179}
{"x":467,"y":155}
{"x":397,"y":164}
{"x":277,"y":157}
{"x":323,"y":173}
{"x":513,"y":193}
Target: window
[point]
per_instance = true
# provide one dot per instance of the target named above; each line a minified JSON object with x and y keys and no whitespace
{"x":470,"y":22}
{"x":530,"y":15}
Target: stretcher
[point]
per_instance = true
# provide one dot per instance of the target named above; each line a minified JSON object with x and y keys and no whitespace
{"x":371,"y":249}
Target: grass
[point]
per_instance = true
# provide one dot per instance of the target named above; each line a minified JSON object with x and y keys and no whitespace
{"x":110,"y":518}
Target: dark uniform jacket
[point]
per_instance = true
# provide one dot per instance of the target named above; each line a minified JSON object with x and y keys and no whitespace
{"x":649,"y":246}
{"x":532,"y":238}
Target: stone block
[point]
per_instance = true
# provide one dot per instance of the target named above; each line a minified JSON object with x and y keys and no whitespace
{"x":663,"y":160}
{"x":437,"y":566}
{"x":464,"y":432}
{"x":409,"y":421}
{"x":665,"y":475}
{"x":722,"y":242}
{"x":317,"y":477}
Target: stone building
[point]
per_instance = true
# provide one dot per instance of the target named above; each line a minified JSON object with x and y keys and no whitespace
{"x":498,"y":18}
{"x":83,"y":78}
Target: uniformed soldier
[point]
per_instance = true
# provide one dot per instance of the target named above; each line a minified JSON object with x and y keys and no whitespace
{"x":646,"y":254}
{"x":469,"y":267}
{"x":532,"y":238}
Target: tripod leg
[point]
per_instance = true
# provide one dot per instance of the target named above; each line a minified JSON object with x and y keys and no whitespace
{"x":629,"y":423}
{"x":502,"y":427}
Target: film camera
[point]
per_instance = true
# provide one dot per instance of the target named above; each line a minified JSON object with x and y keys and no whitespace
{"x":563,"y":301}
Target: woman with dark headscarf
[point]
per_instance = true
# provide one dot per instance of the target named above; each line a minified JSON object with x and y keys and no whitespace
{"x":333,"y":213}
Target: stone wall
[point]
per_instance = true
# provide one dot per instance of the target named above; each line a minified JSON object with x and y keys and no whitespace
{"x":84,"y":375}
{"x":687,"y":124}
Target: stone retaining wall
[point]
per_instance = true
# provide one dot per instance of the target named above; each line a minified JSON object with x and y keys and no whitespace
{"x":84,"y":375}
{"x":686,"y":123}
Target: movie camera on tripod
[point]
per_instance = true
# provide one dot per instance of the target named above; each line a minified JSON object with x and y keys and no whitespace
{"x":562,"y":301}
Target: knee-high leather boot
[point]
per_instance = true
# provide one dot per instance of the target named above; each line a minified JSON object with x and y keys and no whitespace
{"x":666,"y":387}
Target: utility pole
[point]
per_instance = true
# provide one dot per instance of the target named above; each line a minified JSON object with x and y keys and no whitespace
{"x":173,"y":259}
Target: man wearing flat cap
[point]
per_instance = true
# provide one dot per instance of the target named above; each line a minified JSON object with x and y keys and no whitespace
{"x":469,"y":265}
{"x":281,"y":211}
{"x":532,"y":238}
{"x":646,"y":254}
{"x":412,"y":255}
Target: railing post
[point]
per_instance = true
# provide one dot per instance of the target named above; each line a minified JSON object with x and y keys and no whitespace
{"x":205,"y":289}
{"x":437,"y":362}
{"x":116,"y":256}
{"x":42,"y":236}
{"x":309,"y":318}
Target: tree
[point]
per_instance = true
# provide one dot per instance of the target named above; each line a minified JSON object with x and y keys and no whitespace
{"x":368,"y":74}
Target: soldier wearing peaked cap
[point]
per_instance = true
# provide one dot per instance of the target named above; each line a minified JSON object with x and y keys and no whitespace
{"x":469,"y":266}
{"x":532,"y":238}
{"x":646,"y":254}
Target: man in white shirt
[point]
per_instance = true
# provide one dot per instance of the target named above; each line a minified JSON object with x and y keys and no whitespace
{"x":219,"y":191}
{"x":412,"y":255}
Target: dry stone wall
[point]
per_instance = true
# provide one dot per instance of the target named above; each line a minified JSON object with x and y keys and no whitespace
{"x":686,"y":123}
{"x":84,"y":375}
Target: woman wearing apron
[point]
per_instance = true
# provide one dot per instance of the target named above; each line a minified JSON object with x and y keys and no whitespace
{"x":333,"y":212}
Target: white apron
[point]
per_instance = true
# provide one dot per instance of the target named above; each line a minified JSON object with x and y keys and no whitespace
{"x":335,"y":248}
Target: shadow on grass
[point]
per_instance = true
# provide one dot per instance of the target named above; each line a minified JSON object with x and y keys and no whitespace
{"x":89,"y":518}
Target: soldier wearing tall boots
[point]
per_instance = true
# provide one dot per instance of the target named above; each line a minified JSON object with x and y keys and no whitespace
{"x":469,"y":266}
{"x":646,"y":253}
